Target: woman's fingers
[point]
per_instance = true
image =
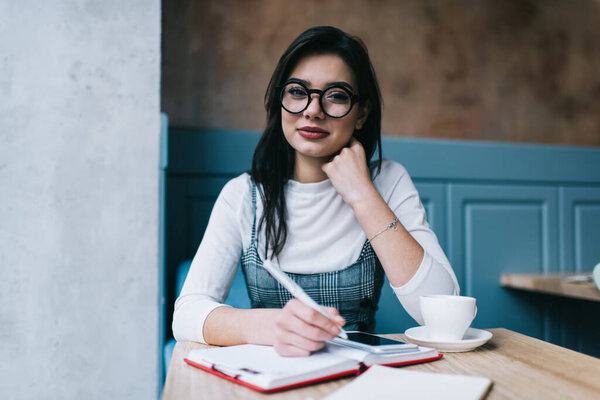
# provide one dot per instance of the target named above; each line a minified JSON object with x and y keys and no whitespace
{"x":301,"y":330}
{"x":322,"y":329}
{"x":355,"y":145}
{"x":349,"y":173}
{"x":295,"y":339}
{"x":309,"y":322}
{"x":294,"y":345}
{"x":335,"y":316}
{"x":290,"y":351}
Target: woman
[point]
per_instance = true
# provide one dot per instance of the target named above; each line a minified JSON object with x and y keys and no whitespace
{"x":313,"y":205}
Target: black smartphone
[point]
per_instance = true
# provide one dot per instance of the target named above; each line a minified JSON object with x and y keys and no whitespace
{"x":373,"y":343}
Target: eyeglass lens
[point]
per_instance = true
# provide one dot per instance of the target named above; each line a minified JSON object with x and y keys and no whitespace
{"x":335,"y":101}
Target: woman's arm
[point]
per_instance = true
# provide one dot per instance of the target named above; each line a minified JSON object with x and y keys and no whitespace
{"x":399,"y":253}
{"x":407,"y":253}
{"x":214,"y":266}
{"x":295,"y":330}
{"x":200,"y":315}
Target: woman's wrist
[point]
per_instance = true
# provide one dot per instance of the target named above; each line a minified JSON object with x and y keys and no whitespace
{"x":259,"y":325}
{"x":366,"y":198}
{"x":226,"y":326}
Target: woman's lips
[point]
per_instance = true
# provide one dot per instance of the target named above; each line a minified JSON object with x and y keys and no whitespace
{"x":311,"y":132}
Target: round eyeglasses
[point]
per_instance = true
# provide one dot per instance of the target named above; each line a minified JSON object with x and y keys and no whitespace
{"x":336,"y":101}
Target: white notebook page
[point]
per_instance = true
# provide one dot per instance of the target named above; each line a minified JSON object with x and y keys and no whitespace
{"x":397,"y":383}
{"x":264,"y":360}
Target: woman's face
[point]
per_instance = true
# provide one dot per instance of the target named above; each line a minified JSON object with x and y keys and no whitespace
{"x":311,"y":132}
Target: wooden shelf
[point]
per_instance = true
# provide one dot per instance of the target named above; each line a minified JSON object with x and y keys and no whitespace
{"x":555,"y":284}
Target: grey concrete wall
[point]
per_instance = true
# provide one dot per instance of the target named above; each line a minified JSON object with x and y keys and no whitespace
{"x":79,"y":134}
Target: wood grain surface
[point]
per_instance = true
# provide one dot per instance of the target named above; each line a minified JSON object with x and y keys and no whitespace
{"x":520,"y":367}
{"x":551,"y":284}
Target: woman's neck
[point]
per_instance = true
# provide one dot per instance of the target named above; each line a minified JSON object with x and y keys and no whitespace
{"x":308,"y":169}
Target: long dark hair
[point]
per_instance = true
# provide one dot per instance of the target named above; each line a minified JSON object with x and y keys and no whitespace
{"x":274,"y":159}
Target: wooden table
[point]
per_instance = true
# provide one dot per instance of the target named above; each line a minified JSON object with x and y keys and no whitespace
{"x":554,"y":284}
{"x":521,"y":367}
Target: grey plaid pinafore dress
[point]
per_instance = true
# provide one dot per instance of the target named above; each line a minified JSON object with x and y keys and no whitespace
{"x":354,"y":291}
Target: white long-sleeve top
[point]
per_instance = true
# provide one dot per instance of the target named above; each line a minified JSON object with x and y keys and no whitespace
{"x":323,"y":235}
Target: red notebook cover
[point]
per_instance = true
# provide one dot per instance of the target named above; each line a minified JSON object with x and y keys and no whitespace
{"x":357,"y":372}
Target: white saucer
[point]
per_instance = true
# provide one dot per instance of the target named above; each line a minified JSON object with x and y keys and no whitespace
{"x":473,"y":338}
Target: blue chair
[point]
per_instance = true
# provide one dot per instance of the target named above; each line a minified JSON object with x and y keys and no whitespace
{"x":238,"y":298}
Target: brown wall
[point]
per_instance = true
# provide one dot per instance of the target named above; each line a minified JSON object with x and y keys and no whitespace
{"x":501,"y":70}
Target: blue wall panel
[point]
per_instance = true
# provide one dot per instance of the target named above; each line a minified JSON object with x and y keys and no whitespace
{"x":502,"y":229}
{"x":189,"y":201}
{"x":576,"y":327}
{"x":581,"y":222}
{"x":587,"y":236}
{"x":494,"y":207}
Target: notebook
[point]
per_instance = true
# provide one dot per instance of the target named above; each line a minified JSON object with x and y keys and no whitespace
{"x":262,"y":369}
{"x":390,"y":383}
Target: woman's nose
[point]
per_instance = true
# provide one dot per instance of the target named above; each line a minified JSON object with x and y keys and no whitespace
{"x":314,"y":109}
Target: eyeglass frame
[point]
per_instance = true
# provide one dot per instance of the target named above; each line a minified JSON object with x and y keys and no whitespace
{"x":354,"y":98}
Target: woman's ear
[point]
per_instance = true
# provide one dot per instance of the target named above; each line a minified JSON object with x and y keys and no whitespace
{"x":363,"y":113}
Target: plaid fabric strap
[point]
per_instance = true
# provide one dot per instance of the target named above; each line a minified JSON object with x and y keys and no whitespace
{"x":354,"y":290}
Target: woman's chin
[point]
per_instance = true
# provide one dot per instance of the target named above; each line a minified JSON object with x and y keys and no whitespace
{"x":323,"y":156}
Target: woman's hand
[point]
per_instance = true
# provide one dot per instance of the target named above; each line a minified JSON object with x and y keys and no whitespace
{"x":300,"y":330}
{"x":349,"y":173}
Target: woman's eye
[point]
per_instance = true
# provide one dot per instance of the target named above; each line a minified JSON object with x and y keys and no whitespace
{"x":338,"y":96}
{"x":296,"y":91}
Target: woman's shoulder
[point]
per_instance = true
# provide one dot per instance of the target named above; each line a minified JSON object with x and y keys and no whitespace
{"x":237,"y":190}
{"x":391,"y":171}
{"x":393,"y":181}
{"x":240,"y":182}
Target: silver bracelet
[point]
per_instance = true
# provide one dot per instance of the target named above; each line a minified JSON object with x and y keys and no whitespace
{"x":391,"y":225}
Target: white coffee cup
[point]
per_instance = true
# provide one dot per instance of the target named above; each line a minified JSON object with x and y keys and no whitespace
{"x":447,"y":317}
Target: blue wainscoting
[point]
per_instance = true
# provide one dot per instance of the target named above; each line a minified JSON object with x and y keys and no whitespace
{"x":496,"y":208}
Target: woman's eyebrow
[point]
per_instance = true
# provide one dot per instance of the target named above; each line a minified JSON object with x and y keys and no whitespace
{"x":298,"y":80}
{"x":341,"y":83}
{"x":327,"y":84}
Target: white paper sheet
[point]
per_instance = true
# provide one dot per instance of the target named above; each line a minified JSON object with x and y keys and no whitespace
{"x":397,"y":383}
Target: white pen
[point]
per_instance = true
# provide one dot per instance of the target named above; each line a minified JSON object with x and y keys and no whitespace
{"x":297,"y":291}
